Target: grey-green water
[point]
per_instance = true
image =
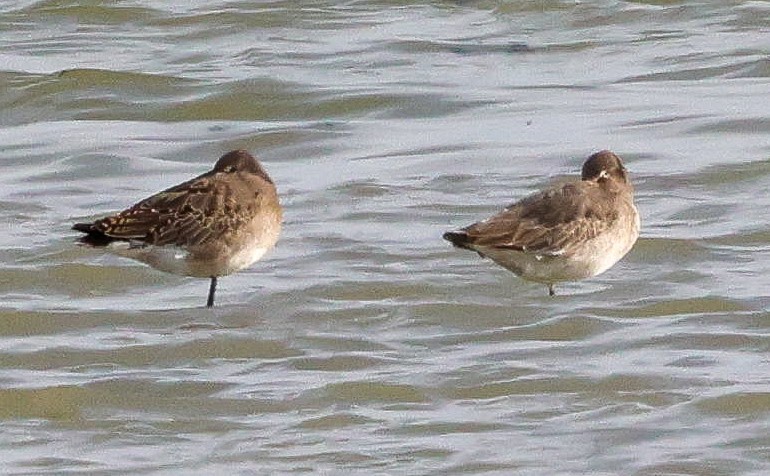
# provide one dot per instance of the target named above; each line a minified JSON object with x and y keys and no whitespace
{"x":364,"y":344}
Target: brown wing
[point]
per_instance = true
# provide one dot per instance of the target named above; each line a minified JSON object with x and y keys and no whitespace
{"x":188,"y":214}
{"x":547,"y":222}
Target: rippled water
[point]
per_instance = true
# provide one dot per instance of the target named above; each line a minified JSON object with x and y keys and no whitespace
{"x":364,"y":343}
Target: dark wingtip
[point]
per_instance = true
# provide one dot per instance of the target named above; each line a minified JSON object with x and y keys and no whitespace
{"x":83,"y":227}
{"x":93,"y":237}
{"x":457,"y":238}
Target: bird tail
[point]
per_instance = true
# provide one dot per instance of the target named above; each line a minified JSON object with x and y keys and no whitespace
{"x":93,"y":236}
{"x":458,"y":238}
{"x":83,"y":227}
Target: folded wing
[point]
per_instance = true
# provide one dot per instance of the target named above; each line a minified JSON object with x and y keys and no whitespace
{"x":544,"y":223}
{"x":182,"y":215}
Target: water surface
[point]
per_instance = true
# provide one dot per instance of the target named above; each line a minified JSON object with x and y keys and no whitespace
{"x":364,"y":343}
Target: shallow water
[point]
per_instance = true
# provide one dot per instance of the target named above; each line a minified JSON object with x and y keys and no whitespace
{"x":364,"y":343}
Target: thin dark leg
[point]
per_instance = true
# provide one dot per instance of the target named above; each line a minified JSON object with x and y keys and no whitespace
{"x":212,"y":290}
{"x":551,"y":292}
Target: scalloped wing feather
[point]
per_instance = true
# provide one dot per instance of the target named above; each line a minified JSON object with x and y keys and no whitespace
{"x":550,"y":222}
{"x":182,"y":215}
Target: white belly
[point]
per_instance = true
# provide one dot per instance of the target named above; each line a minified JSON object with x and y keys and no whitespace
{"x":584,"y":260}
{"x":177,"y":260}
{"x":243,"y":258}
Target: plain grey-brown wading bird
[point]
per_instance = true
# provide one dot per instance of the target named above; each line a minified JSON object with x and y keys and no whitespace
{"x":213,"y":225}
{"x":565,"y":233}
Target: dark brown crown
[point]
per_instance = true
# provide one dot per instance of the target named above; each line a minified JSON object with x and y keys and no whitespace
{"x":604,"y":164}
{"x":240,"y":161}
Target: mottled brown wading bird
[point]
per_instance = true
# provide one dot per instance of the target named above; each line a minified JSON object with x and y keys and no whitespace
{"x":213,"y":225}
{"x":565,"y":233}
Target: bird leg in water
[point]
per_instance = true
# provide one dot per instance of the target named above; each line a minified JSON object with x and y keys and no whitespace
{"x":212,"y":290}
